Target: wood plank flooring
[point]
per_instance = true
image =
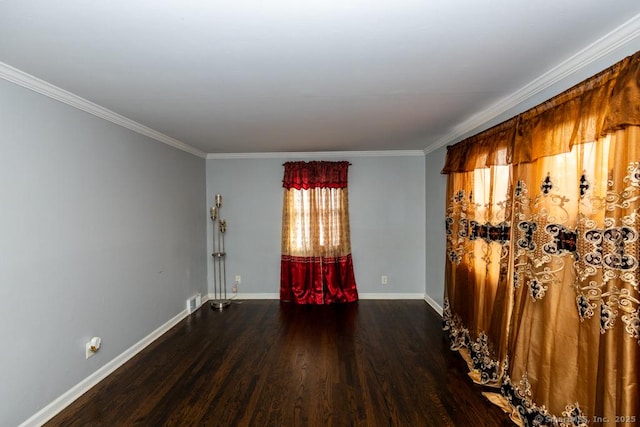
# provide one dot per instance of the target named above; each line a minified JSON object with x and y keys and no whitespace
{"x":266,"y":363}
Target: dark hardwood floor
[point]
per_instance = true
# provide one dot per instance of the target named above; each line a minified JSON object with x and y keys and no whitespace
{"x":264,"y":363}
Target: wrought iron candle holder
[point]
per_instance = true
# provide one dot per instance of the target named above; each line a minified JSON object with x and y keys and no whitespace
{"x":220,"y":301}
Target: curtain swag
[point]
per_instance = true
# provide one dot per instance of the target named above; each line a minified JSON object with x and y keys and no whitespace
{"x":601,"y":105}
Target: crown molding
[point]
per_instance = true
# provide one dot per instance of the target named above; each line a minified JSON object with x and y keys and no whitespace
{"x":42,"y":87}
{"x":620,"y":38}
{"x":316,"y":154}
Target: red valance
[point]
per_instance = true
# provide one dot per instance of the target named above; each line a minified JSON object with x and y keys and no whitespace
{"x":315,"y":174}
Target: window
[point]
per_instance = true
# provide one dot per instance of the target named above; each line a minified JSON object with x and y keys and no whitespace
{"x":316,"y":263}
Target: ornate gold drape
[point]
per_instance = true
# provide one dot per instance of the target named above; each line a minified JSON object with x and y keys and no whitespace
{"x":542,"y":276}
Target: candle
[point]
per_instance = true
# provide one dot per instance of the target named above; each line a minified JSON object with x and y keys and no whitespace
{"x":218,"y":200}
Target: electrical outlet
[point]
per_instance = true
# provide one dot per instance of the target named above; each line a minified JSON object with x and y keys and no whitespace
{"x":92,"y":347}
{"x":234,"y":288}
{"x":88,"y":352}
{"x":238,"y":279}
{"x":384,"y":280}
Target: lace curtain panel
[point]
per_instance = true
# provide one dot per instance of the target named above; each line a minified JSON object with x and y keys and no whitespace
{"x":543,"y":227}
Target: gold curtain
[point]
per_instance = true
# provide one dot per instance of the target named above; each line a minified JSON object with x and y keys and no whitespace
{"x":543,"y":229}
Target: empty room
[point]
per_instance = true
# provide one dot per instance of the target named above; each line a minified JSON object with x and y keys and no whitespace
{"x":319,"y":213}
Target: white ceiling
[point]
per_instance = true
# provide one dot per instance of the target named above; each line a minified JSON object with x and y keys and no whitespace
{"x":249,"y":76}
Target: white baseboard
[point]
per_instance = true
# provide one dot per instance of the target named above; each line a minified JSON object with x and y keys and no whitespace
{"x":433,"y":304}
{"x":390,"y":296}
{"x":266,"y":295}
{"x":53,"y":408}
{"x":249,"y":296}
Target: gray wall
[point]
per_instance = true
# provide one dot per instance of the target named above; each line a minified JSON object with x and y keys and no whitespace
{"x":435,"y":195}
{"x":387,"y":210}
{"x":102,"y":232}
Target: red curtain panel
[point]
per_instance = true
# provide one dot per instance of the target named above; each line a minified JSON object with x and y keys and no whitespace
{"x":316,"y":265}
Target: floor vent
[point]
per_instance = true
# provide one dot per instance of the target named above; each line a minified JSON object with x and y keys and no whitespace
{"x":194,"y":303}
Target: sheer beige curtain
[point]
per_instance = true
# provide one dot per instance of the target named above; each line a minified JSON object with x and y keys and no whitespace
{"x":543,"y":223}
{"x":316,"y":222}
